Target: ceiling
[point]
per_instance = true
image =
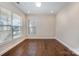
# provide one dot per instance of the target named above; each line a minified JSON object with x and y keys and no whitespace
{"x":46,"y":7}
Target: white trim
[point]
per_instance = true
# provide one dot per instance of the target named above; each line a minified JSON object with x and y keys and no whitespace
{"x":73,"y":50}
{"x":41,"y":37}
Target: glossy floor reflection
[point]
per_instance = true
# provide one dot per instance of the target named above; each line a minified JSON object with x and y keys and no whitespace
{"x":40,"y":47}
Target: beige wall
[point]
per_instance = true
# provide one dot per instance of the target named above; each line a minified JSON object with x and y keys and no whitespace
{"x":67,"y":25}
{"x":45,"y":26}
{"x":14,"y":9}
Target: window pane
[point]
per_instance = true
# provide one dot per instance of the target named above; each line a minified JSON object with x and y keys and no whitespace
{"x":5,"y":19}
{"x":5,"y":25}
{"x":5,"y":16}
{"x":16,"y":26}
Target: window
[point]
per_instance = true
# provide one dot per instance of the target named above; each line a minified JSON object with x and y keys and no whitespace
{"x":5,"y":25}
{"x":16,"y":26}
{"x":31,"y":27}
{"x":10,"y":25}
{"x":5,"y":19}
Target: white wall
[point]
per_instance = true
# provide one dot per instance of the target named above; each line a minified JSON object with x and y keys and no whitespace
{"x":67,"y":25}
{"x":45,"y":26}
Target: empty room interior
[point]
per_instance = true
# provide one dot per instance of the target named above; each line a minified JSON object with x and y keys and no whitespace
{"x":39,"y":28}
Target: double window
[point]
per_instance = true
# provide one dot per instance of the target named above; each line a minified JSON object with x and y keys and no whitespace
{"x":10,"y":25}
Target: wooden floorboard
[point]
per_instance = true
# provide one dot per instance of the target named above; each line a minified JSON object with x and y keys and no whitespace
{"x":40,"y":47}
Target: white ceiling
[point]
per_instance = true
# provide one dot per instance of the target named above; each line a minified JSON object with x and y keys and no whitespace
{"x":46,"y":7}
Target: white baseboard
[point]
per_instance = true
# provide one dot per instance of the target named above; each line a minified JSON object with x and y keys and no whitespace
{"x":41,"y":37}
{"x":73,"y":50}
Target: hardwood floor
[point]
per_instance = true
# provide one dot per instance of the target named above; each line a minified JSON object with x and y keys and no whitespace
{"x":40,"y":47}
